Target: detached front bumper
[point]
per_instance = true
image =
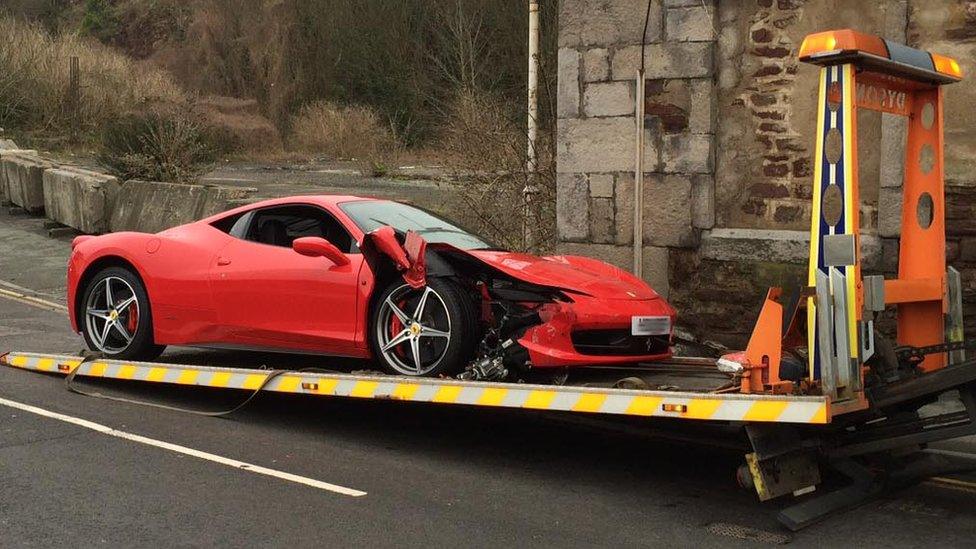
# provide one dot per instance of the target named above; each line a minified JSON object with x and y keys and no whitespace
{"x":592,"y":331}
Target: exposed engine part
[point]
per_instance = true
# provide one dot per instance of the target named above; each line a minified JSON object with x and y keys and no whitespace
{"x":485,"y":369}
{"x":495,"y":363}
{"x":499,"y":353}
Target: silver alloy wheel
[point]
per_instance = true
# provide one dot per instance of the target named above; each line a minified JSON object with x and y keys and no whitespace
{"x":110,"y":313}
{"x":413,"y":344}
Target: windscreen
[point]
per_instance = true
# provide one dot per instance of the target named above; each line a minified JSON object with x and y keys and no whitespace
{"x":370,"y":215}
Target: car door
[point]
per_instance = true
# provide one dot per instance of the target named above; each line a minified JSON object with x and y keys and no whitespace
{"x":268,"y":295}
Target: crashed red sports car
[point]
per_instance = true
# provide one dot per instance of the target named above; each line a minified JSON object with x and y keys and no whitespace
{"x":359,"y":277}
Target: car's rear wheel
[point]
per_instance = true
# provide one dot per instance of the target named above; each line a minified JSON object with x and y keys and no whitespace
{"x":423,"y":332}
{"x":116,"y":318}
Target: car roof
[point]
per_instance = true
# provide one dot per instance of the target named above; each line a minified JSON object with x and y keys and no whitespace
{"x":320,"y":199}
{"x":328,"y":201}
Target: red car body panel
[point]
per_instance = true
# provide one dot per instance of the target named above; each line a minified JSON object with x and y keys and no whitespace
{"x":208,"y":288}
{"x":573,"y":273}
{"x":550,"y":344}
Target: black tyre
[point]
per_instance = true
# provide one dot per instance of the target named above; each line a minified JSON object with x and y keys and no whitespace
{"x":115,"y":316}
{"x":427,"y":332}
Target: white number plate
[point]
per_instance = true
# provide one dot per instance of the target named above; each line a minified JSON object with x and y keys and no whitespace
{"x":650,"y":325}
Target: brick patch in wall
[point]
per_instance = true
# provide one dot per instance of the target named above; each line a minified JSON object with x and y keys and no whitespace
{"x":782,"y":193}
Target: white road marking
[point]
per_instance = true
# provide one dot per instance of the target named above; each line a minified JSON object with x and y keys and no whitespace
{"x":184,"y":450}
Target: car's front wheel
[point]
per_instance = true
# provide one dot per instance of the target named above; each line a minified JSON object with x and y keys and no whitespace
{"x":116,"y":319}
{"x":423,"y":332}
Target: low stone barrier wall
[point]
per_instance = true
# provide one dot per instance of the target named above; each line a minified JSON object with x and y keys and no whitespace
{"x":150,"y":207}
{"x":23,"y":179}
{"x":80,"y":198}
{"x":95,"y":203}
{"x":4,"y":195}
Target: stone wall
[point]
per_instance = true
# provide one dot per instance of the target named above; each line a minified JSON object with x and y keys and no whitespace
{"x":599,"y":55}
{"x":949,"y":27}
{"x":768,"y":104}
{"x":729,"y":127}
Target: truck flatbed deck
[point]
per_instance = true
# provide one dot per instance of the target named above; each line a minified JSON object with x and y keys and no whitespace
{"x":590,"y":398}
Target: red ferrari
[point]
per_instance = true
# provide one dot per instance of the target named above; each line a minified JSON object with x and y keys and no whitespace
{"x":358,"y":277}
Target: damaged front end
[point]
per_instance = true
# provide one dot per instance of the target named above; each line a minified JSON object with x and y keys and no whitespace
{"x":410,"y":258}
{"x":533,"y":313}
{"x":506,"y":307}
{"x":509,"y":309}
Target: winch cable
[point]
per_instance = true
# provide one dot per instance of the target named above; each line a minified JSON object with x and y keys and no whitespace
{"x":272,"y":375}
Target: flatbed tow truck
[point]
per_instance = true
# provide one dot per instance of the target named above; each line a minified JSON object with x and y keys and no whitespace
{"x":819,"y":392}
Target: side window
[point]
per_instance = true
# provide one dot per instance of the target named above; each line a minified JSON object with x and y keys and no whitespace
{"x":239,"y":228}
{"x":279,"y":226}
{"x":234,"y":225}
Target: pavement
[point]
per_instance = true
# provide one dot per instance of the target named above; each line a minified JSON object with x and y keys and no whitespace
{"x":82,"y":471}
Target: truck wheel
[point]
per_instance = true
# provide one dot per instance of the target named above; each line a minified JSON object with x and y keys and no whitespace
{"x":116,"y":318}
{"x":423,"y":332}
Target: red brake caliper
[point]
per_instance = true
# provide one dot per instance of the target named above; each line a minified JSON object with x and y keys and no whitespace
{"x":396,"y":326}
{"x":133,"y":322}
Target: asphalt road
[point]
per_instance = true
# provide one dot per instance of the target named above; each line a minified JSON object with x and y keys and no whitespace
{"x":433,"y":475}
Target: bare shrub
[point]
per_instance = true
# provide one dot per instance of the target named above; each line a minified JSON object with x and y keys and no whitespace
{"x":34,"y":86}
{"x":163,"y":144}
{"x":346,"y":132}
{"x":487,"y":149}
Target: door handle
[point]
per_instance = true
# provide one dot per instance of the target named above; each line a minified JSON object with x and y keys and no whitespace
{"x":222,"y":261}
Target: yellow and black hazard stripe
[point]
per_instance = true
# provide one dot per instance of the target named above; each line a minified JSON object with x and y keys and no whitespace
{"x":673,"y":404}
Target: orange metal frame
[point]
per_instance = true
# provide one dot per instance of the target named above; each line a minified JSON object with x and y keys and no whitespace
{"x":921,"y":257}
{"x":852,"y":77}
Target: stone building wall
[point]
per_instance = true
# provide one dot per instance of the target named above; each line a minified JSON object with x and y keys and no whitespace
{"x":599,"y":54}
{"x":729,"y":131}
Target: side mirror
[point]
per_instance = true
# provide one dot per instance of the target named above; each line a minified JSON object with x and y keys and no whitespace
{"x":313,"y":246}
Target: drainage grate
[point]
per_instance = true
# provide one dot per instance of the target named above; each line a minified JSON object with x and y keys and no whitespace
{"x":750,"y":534}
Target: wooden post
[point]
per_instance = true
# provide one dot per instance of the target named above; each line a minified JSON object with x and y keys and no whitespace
{"x":73,"y":98}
